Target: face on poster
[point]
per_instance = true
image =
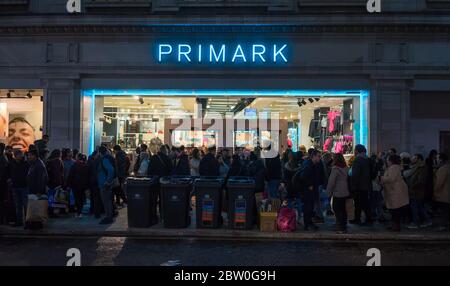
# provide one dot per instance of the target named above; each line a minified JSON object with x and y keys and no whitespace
{"x":3,"y":121}
{"x":21,"y":133}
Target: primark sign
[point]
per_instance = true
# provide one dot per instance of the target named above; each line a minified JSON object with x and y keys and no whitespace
{"x":223,"y":54}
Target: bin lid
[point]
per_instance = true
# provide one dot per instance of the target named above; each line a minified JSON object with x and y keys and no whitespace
{"x":176,"y":180}
{"x":241,"y":180}
{"x":141,"y":179}
{"x":208,"y":181}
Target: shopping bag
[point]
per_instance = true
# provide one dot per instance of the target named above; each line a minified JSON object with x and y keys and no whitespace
{"x":58,"y":198}
{"x":286,"y":220}
{"x":37,"y":210}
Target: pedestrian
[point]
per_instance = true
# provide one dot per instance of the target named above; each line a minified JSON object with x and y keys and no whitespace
{"x":68,"y":162}
{"x":416,"y":178}
{"x":395,"y":191}
{"x":96,"y":201}
{"x":160,"y":163}
{"x":181,"y":164}
{"x":136,"y":160}
{"x":376,"y":195}
{"x":441,"y":193}
{"x":79,"y":182}
{"x":105,"y":178}
{"x":291,"y":167}
{"x":361,"y":185}
{"x":55,"y":170}
{"x":18,"y":171}
{"x":3,"y":183}
{"x":431,"y":163}
{"x":337,"y":188}
{"x":37,"y":177}
{"x":121,"y":168}
{"x":208,"y":164}
{"x":257,"y":171}
{"x":307,"y":179}
{"x":144,"y":160}
{"x":223,"y":168}
{"x":273,"y":166}
{"x":195,"y":162}
{"x":42,"y":145}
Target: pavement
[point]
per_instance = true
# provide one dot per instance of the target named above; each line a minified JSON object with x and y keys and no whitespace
{"x":88,"y":226}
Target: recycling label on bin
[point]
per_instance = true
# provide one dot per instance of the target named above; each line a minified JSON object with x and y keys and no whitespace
{"x":174,"y":198}
{"x":240,"y":213}
{"x":137,"y":196}
{"x":207,"y":212}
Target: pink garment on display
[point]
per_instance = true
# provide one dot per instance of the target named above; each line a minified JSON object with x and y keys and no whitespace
{"x":331,"y":116}
{"x":327,"y":144}
{"x":339,"y":147}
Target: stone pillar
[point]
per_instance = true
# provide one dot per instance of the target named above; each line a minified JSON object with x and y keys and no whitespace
{"x":62,"y":112}
{"x":389,"y":115}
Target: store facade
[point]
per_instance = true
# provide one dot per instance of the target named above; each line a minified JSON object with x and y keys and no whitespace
{"x":396,"y":89}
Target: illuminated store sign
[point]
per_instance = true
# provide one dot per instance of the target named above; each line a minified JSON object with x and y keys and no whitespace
{"x":222,"y":53}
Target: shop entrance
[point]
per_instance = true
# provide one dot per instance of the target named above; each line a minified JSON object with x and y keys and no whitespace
{"x":332,"y":121}
{"x":21,"y":117}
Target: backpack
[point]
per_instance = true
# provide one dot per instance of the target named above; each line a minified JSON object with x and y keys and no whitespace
{"x":286,"y":220}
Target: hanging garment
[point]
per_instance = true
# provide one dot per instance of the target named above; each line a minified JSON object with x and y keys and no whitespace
{"x":324,"y":122}
{"x":328,"y":143}
{"x":331,"y":117}
{"x":314,"y":130}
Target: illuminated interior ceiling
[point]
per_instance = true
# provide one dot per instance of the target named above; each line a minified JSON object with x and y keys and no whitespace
{"x":21,"y":93}
{"x":288,"y":107}
{"x":169,"y":107}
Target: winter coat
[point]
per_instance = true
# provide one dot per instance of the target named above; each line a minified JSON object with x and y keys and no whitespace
{"x":105,"y":172}
{"x":257,"y":170}
{"x":121,"y":164}
{"x":18,"y":170}
{"x":182,"y":165}
{"x":55,"y":170}
{"x":288,"y":174}
{"x":160,"y":165}
{"x":416,"y":179}
{"x":195,"y":164}
{"x":37,"y":178}
{"x":209,"y":166}
{"x":273,"y":167}
{"x":338,"y":182}
{"x":442,"y":185}
{"x":79,"y":176}
{"x":361,"y":174}
{"x":395,"y":188}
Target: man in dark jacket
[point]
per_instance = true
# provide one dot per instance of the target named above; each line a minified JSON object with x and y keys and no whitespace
{"x":310,"y":182}
{"x":96,"y":201}
{"x":3,"y":184}
{"x":121,"y":164}
{"x":361,"y":185}
{"x":182,"y":163}
{"x":273,"y":172}
{"x":41,"y":145}
{"x":18,"y":170}
{"x":209,"y":165}
{"x":37,"y":177}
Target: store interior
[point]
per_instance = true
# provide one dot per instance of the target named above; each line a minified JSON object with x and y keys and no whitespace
{"x":21,"y":117}
{"x":323,"y":122}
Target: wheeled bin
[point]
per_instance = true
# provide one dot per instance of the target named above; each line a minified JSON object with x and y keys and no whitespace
{"x":175,"y":201}
{"x":208,"y":201}
{"x":241,"y":202}
{"x":142,"y":195}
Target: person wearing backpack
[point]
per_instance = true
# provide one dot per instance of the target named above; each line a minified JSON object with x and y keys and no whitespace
{"x":105,"y":180}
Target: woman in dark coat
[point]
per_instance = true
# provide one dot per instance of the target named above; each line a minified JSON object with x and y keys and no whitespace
{"x":55,"y":170}
{"x":78,"y":181}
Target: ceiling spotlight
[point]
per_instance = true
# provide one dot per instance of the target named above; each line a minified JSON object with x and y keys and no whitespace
{"x":141,"y":100}
{"x":303,"y":102}
{"x":310,"y":100}
{"x":317,"y":99}
{"x":198,"y":101}
{"x":29,"y":94}
{"x":299,"y":103}
{"x":9,"y":94}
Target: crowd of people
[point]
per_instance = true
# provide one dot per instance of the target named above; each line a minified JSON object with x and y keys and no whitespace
{"x":412,"y":189}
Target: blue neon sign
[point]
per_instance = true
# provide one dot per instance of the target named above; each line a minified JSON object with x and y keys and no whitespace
{"x":207,"y":53}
